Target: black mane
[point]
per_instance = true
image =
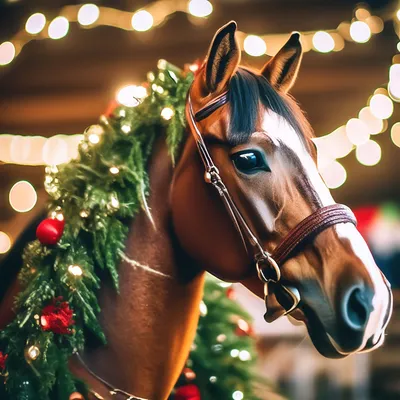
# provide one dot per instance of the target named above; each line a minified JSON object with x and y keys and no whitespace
{"x":247,"y":91}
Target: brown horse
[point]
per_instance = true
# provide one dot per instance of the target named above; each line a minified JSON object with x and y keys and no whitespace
{"x":244,"y":123}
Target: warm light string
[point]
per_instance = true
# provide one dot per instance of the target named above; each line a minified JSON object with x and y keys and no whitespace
{"x":58,"y":149}
{"x":37,"y":27}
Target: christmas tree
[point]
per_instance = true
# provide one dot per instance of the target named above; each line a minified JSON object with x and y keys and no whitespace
{"x":90,"y":199}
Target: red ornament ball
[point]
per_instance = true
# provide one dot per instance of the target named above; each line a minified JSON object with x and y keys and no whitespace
{"x":3,"y":359}
{"x":187,"y":392}
{"x":57,"y":317}
{"x":76,"y":396}
{"x":49,"y":231}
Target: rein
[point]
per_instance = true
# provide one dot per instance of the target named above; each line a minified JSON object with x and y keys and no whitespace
{"x":268,"y":265}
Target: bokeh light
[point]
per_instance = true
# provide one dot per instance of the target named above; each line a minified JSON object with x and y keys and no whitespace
{"x":369,"y":153}
{"x":88,"y":14}
{"x":142,"y":21}
{"x":130,"y":95}
{"x":395,"y":134}
{"x":58,"y":28}
{"x":22,"y":196}
{"x":55,"y":151}
{"x":35,"y":23}
{"x":323,"y":42}
{"x":200,"y":8}
{"x":334,"y":175}
{"x":381,"y":106}
{"x":357,"y":131}
{"x":7,"y":53}
{"x":254,"y":45}
{"x":5,"y":243}
{"x":375,"y":125}
{"x":167,"y":113}
{"x":360,"y":32}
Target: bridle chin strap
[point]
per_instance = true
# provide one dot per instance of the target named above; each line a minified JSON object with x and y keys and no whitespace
{"x":268,"y":265}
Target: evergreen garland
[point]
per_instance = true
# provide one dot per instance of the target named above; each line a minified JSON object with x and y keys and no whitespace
{"x":95,"y":195}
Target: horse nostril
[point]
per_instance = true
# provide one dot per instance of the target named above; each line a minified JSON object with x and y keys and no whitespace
{"x":357,"y":306}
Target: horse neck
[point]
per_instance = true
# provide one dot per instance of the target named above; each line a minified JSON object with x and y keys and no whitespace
{"x":151,"y":323}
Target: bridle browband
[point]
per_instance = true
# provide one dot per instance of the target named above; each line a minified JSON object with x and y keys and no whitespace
{"x":268,"y":265}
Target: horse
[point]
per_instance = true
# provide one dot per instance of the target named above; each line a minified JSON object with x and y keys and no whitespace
{"x":246,"y":203}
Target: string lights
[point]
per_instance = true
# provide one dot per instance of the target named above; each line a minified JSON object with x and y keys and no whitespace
{"x":354,"y":135}
{"x":90,"y":15}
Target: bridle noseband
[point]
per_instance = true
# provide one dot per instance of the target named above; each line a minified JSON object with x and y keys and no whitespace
{"x":268,"y":265}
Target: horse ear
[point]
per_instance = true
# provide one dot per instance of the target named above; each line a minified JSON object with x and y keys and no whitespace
{"x":222,"y":59}
{"x":281,"y":71}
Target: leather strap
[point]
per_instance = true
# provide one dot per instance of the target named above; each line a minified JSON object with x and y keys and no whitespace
{"x":267,"y":265}
{"x":211,"y":107}
{"x":320,"y":220}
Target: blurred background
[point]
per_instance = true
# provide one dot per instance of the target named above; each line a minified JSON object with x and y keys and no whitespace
{"x":62,"y":64}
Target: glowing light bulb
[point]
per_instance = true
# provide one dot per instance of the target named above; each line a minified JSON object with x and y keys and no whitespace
{"x":395,"y":134}
{"x":203,"y":309}
{"x":200,"y":8}
{"x":125,"y":128}
{"x":360,"y":32}
{"x":398,"y":14}
{"x":369,"y":153}
{"x":334,"y":175}
{"x":5,"y":242}
{"x":237,"y":395}
{"x":142,"y":21}
{"x":254,"y":45}
{"x":357,"y":131}
{"x":75,"y":270}
{"x":114,"y":170}
{"x":129,"y":95}
{"x":167,"y":113}
{"x":235,"y":353}
{"x":58,"y":28}
{"x":88,"y":14}
{"x":33,"y":353}
{"x":94,"y":138}
{"x":35,"y":23}
{"x":381,"y":106}
{"x":244,"y":355}
{"x":375,"y":125}
{"x":114,"y":203}
{"x":7,"y":53}
{"x":22,"y":196}
{"x":323,"y":42}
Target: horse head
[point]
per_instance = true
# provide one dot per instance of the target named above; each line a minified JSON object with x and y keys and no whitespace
{"x":257,"y":149}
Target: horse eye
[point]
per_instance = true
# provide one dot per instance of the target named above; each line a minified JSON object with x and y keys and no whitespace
{"x":250,"y":162}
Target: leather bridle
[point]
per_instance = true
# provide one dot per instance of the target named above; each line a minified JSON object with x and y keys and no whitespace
{"x":268,"y":265}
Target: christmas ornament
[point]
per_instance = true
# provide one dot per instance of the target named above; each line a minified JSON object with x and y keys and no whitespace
{"x":32,"y":353}
{"x":187,"y":392}
{"x":49,"y":231}
{"x":57,"y":317}
{"x":3,"y":359}
{"x":230,"y":293}
{"x":243,"y":328}
{"x":76,"y":396}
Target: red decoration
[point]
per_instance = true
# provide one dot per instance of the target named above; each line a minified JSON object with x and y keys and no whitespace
{"x":365,"y":218}
{"x":3,"y":359}
{"x":57,"y":317}
{"x":243,"y":328}
{"x":187,"y":392}
{"x":230,"y":293}
{"x":49,"y":231}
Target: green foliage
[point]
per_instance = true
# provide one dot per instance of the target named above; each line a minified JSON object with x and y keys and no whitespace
{"x":96,"y":193}
{"x":223,"y":354}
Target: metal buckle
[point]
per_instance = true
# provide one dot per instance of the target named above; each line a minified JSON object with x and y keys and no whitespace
{"x":294,"y":295}
{"x":210,"y":174}
{"x":266,"y":263}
